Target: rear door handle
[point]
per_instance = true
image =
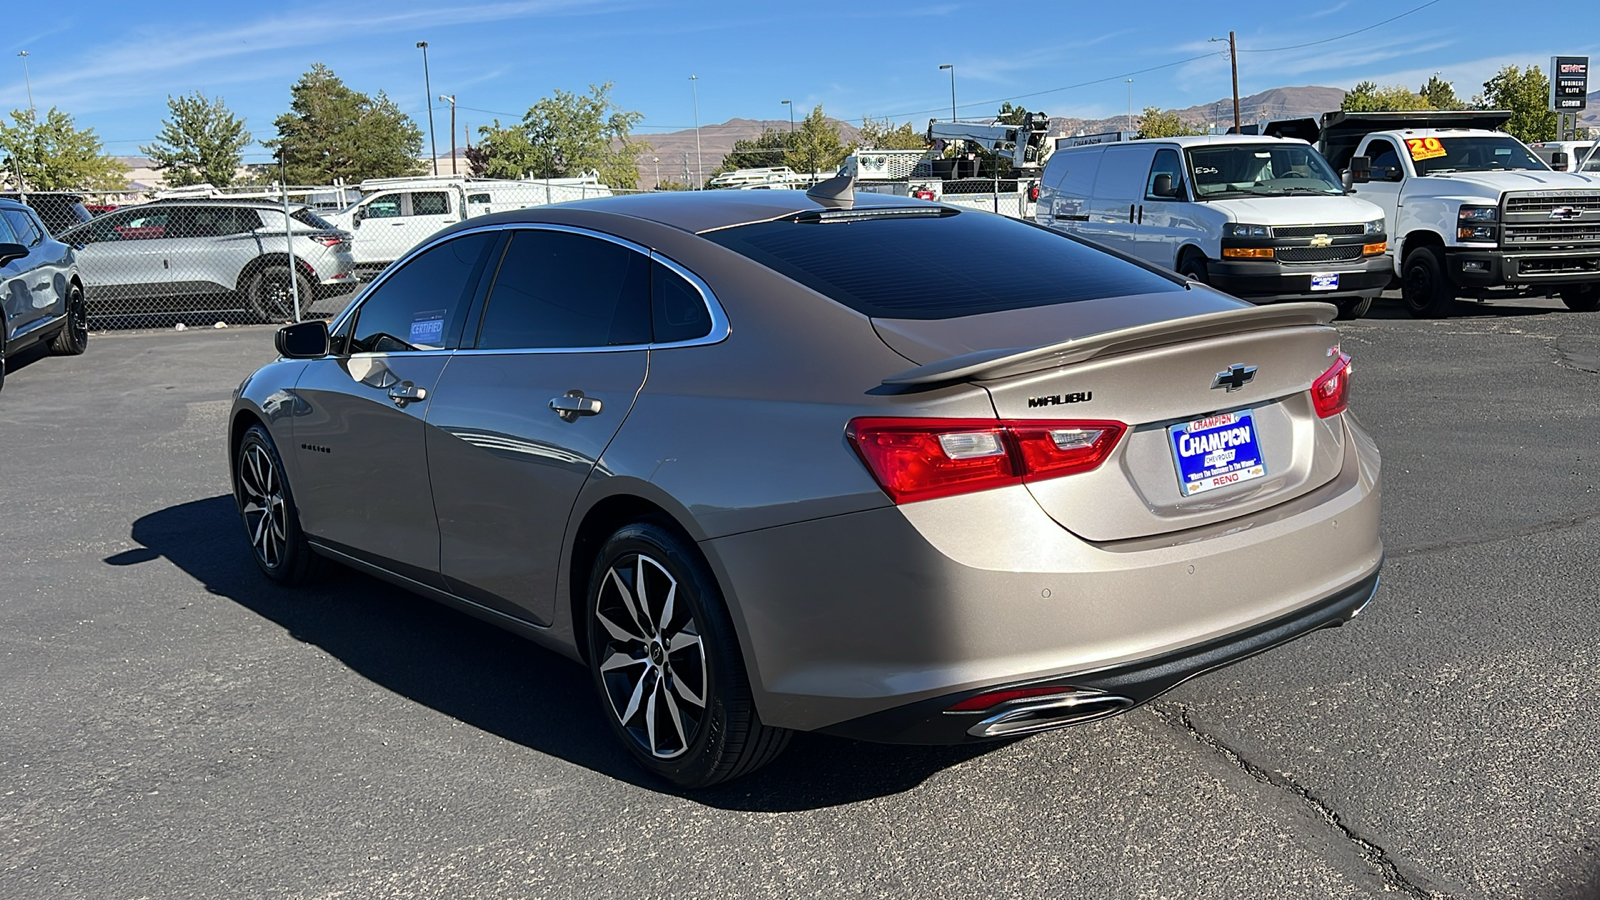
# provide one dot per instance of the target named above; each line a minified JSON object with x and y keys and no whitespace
{"x":405,"y":392}
{"x":573,"y":404}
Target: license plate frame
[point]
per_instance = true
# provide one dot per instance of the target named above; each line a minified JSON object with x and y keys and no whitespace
{"x":1325,"y":281}
{"x":1215,"y":455}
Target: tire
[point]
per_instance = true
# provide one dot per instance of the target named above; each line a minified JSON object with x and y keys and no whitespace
{"x":270,"y":297}
{"x":2,"y":361}
{"x":1581,"y":297}
{"x":1354,"y":308}
{"x":1427,"y":292}
{"x":73,"y":338}
{"x":266,"y":507}
{"x":671,"y":680}
{"x":1193,"y":267}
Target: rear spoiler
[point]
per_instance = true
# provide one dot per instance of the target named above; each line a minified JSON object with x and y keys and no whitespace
{"x":1007,"y":362}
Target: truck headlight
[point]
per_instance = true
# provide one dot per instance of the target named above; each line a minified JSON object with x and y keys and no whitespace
{"x":1478,"y":223}
{"x":1375,"y":226}
{"x":1241,"y":230}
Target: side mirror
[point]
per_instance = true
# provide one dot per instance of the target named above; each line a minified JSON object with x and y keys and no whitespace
{"x":356,"y":217}
{"x":1558,"y":161}
{"x":303,"y":340}
{"x":9,"y":252}
{"x":1360,"y":170}
{"x":1164,"y":187}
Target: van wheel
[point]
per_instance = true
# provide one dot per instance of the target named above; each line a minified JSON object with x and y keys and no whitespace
{"x":1354,"y":307}
{"x":1581,"y":297}
{"x":666,"y":662}
{"x":1193,"y":268}
{"x":1427,"y":292}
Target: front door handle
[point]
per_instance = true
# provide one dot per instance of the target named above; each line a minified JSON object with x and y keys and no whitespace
{"x":573,"y":404}
{"x":405,"y":392}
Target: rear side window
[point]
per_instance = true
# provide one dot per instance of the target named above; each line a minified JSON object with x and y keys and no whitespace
{"x":307,"y":217}
{"x":937,"y":267}
{"x":429,"y":203}
{"x":677,"y":309}
{"x":421,"y":305}
{"x":556,"y":289}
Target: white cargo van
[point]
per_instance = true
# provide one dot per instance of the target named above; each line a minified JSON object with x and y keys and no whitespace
{"x":1263,"y":218}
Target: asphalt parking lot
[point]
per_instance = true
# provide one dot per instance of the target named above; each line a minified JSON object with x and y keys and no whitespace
{"x":172,"y":725}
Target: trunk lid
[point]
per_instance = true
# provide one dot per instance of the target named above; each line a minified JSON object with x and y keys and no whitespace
{"x":1153,"y":374}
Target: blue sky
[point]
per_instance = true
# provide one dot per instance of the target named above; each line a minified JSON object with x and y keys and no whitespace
{"x":112,"y":64}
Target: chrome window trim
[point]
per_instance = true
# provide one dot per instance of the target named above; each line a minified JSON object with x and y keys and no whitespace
{"x":720,"y":327}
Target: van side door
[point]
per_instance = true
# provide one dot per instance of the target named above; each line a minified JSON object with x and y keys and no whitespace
{"x":1163,"y":221}
{"x":1118,"y":191}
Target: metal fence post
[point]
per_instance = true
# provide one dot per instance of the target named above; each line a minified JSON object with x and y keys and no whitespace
{"x":288,"y":238}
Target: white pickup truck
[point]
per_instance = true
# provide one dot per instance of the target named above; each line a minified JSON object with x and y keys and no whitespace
{"x":397,"y":214}
{"x":1472,"y":212}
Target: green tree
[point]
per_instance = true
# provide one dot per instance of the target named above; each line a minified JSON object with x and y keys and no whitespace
{"x":203,"y":141}
{"x":566,"y":136}
{"x":762,"y":152}
{"x":817,"y":146}
{"x":333,"y":132}
{"x":1011,"y":115}
{"x":1157,"y":124}
{"x":53,"y":154}
{"x":1526,"y":94}
{"x":880,"y":135}
{"x":1368,"y":97}
{"x":1440,"y":94}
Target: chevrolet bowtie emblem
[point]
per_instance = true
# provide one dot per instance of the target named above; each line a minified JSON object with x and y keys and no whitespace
{"x":1235,"y":378}
{"x":1566,"y":212}
{"x":1321,"y":240}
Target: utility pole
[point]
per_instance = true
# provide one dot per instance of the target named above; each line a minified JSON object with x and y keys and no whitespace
{"x":451,"y":99}
{"x":1233,"y":56}
{"x":699,"y":170}
{"x":1130,"y":105}
{"x":427,"y":86}
{"x":29,"y":79}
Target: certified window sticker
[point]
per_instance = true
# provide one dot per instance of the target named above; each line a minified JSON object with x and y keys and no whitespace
{"x":427,"y":330}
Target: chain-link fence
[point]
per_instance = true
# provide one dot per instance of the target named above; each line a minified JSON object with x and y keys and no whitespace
{"x":203,"y":255}
{"x":198,"y":256}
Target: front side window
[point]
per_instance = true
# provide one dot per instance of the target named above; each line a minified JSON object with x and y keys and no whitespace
{"x":384,"y":206}
{"x":1168,"y":164}
{"x":23,"y":227}
{"x":420,"y":306}
{"x":430,"y":203}
{"x":6,"y":236}
{"x":1383,"y":155}
{"x":556,"y":289}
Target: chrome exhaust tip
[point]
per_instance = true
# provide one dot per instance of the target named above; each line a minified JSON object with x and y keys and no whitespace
{"x":1070,"y":707}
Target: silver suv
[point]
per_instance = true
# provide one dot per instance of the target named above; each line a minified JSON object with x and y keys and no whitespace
{"x":179,"y":256}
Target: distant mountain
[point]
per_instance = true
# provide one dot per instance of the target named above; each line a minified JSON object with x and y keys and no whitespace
{"x":1275,"y":103}
{"x":674,"y":151}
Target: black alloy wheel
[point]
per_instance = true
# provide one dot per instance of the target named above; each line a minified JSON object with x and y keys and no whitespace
{"x":1193,"y":268}
{"x":271,"y":294}
{"x":73,"y":338}
{"x":1427,"y":292}
{"x":266,"y":506}
{"x":666,"y":662}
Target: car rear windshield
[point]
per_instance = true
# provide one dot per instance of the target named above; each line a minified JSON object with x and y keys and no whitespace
{"x":912,"y":263}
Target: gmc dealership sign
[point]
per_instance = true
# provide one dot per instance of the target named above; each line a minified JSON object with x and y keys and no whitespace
{"x":1569,"y":83}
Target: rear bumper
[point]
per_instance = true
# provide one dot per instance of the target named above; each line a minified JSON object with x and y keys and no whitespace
{"x":1497,"y":268}
{"x":1268,"y":280}
{"x":1086,"y":696}
{"x":861,"y":623}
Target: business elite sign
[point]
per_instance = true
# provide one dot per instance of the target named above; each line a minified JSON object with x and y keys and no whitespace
{"x":1569,"y":83}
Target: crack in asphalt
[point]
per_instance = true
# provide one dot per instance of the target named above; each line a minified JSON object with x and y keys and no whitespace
{"x":1177,"y":715}
{"x":1566,"y":523}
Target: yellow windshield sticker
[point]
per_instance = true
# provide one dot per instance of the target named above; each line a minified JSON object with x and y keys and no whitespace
{"x":1425,"y":148}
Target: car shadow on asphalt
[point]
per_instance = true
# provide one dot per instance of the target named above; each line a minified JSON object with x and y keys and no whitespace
{"x":1395,"y":308}
{"x":495,"y":681}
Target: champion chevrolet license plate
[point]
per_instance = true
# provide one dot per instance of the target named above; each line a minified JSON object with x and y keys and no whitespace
{"x":1216,"y":451}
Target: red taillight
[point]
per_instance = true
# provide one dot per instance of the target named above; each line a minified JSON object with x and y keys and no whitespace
{"x":1033,"y":193}
{"x":921,"y":459}
{"x":1330,"y":393}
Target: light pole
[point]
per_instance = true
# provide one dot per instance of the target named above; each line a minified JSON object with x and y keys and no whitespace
{"x":27,"y":78}
{"x":1130,"y":104}
{"x":657,"y":161}
{"x":427,"y":85}
{"x":451,"y":99}
{"x":790,"y":104}
{"x":694,"y":86}
{"x":952,"y":69}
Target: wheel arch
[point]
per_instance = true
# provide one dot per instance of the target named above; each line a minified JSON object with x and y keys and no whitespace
{"x":242,"y":420}
{"x":242,"y":283}
{"x":1417,"y":239}
{"x":1186,"y":251}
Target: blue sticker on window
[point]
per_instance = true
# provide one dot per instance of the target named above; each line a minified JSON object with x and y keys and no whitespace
{"x":427,"y":329}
